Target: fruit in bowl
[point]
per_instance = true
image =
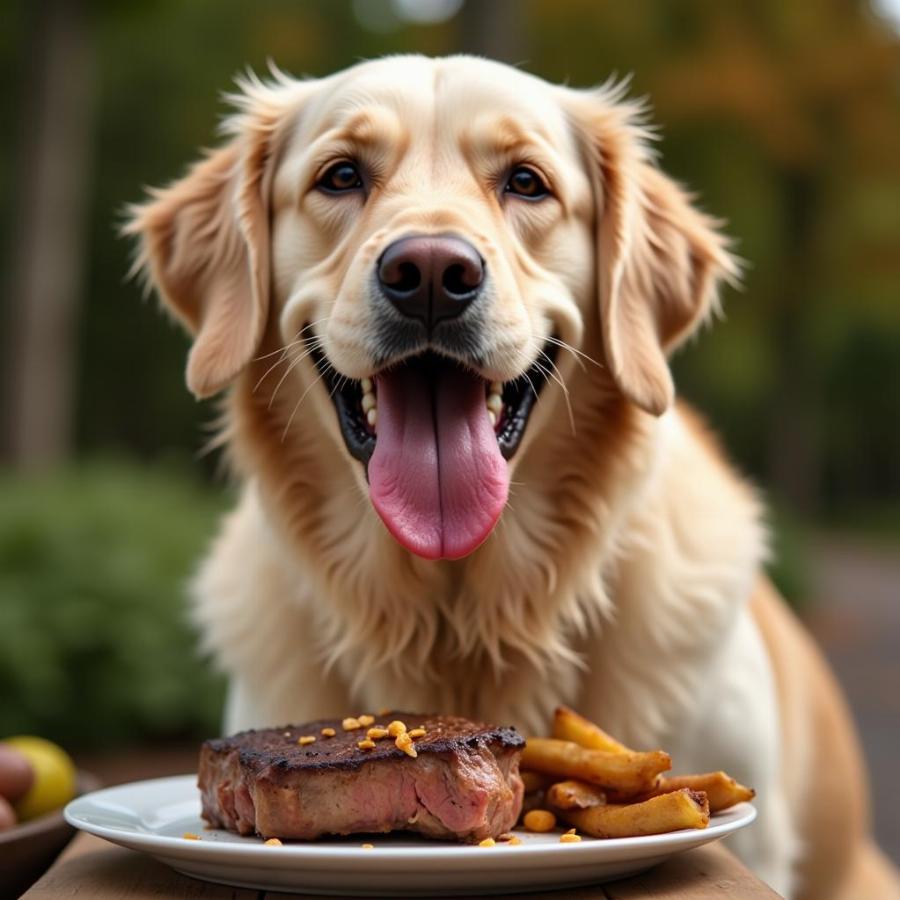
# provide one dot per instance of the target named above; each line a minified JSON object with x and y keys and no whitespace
{"x":16,"y":778}
{"x":36,"y":777}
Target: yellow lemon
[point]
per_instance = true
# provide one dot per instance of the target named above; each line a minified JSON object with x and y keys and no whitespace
{"x":54,"y":776}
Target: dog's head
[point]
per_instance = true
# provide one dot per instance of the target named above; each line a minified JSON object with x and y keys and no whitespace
{"x":427,"y":239}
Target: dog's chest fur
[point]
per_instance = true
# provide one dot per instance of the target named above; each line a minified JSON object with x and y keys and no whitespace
{"x":615,"y":603}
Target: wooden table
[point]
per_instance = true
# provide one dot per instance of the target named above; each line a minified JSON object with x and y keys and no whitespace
{"x":93,"y":869}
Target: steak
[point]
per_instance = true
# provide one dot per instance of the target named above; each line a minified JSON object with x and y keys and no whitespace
{"x":463,"y":784}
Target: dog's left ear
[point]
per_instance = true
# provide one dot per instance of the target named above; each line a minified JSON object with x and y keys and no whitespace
{"x":659,"y":259}
{"x":204,"y":240}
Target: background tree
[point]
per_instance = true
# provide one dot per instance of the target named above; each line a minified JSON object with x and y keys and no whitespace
{"x":48,"y":233}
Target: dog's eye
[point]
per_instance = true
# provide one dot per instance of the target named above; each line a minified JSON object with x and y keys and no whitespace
{"x":341,"y":177}
{"x":525,"y":182}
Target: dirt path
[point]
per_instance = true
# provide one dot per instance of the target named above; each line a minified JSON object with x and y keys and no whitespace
{"x":856,"y":617}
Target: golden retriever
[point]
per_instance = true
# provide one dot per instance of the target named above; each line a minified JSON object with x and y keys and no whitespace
{"x":442,"y":294}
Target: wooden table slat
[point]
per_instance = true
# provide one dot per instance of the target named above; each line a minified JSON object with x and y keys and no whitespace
{"x":704,"y":874}
{"x":93,"y":868}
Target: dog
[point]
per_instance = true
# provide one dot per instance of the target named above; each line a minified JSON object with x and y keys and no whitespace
{"x":441,"y":295}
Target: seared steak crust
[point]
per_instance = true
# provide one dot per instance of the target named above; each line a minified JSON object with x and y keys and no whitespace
{"x":464,"y":784}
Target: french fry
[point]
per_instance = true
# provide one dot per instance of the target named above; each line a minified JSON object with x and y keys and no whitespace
{"x":602,"y":794}
{"x":627,"y":773}
{"x":535,"y":781}
{"x":568,"y":725}
{"x":720,"y":788}
{"x":667,"y":812}
{"x":575,"y":795}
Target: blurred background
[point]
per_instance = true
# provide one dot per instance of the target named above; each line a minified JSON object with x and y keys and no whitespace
{"x":783,"y":116}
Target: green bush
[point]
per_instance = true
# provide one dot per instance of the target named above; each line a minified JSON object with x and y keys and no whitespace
{"x":95,"y":644}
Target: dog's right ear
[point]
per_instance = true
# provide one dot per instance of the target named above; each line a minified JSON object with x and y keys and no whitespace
{"x":660,"y":260}
{"x":204,"y":240}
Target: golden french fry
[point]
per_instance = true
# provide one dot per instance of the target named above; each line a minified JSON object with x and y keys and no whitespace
{"x":721,"y":789}
{"x":658,"y":815}
{"x":575,"y":795}
{"x":630,"y":772}
{"x":535,"y":781}
{"x":568,"y":725}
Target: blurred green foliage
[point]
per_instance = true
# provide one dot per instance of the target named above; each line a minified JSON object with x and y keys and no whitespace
{"x":789,"y":565}
{"x":95,"y":646}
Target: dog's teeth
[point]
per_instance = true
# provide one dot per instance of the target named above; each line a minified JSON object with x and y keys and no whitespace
{"x":496,"y":387}
{"x":493,"y":417}
{"x":368,"y":402}
{"x":367,"y":385}
{"x":495,"y":403}
{"x":372,"y":416}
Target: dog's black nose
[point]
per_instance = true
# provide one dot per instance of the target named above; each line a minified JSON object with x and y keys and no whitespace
{"x":430,"y":277}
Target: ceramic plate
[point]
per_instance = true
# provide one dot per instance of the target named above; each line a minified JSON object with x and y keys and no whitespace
{"x":152,"y":816}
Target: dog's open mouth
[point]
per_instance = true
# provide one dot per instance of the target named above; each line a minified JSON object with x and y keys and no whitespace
{"x":435,"y":437}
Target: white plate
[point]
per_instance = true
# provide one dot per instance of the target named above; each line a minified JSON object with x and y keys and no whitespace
{"x":152,"y":816}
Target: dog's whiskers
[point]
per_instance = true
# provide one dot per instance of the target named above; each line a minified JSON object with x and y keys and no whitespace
{"x":297,"y":339}
{"x":285,"y":352}
{"x":576,"y":353}
{"x":530,"y":384}
{"x":322,"y":374}
{"x":556,"y":375}
{"x":284,"y":355}
{"x":282,"y":349}
{"x":313,"y":345}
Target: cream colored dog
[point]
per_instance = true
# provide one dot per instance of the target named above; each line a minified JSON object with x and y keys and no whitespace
{"x":442,"y":290}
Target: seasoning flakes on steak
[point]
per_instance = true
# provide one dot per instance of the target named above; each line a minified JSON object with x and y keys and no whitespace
{"x":444,"y":777}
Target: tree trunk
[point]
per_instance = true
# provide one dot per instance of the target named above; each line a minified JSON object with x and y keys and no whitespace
{"x":48,"y":237}
{"x":795,"y":438}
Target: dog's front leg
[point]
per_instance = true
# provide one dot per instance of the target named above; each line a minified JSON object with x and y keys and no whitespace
{"x":736,"y":726}
{"x":250,"y":705}
{"x":770,"y":847}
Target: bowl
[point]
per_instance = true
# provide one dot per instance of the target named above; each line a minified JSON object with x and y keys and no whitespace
{"x":27,"y":850}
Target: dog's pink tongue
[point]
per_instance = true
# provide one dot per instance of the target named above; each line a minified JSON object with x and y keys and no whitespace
{"x":436,"y":478}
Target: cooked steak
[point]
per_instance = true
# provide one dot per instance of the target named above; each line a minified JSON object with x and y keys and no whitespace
{"x":463,"y":783}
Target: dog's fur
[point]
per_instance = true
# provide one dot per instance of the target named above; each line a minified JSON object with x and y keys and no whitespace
{"x":625,"y":576}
